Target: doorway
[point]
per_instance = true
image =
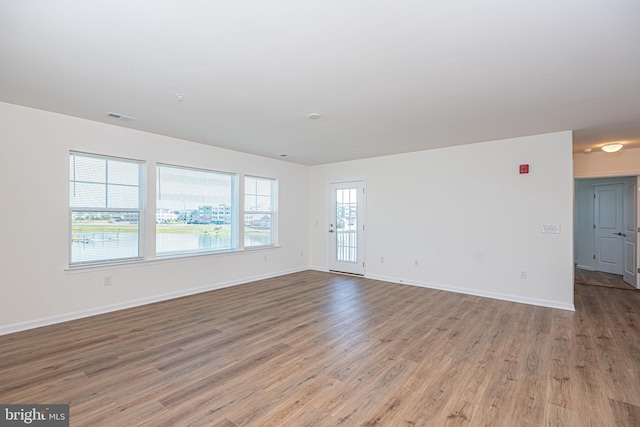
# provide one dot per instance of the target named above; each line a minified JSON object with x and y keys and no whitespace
{"x":606,"y":227}
{"x":347,"y":227}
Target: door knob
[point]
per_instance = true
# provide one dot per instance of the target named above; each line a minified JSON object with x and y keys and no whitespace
{"x":331,"y":231}
{"x":620,"y":234}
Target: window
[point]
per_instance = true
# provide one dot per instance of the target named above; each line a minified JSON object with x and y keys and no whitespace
{"x":195,"y":211}
{"x":105,"y":209}
{"x":259,"y":211}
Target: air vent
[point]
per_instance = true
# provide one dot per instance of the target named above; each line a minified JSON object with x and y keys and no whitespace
{"x":121,"y":117}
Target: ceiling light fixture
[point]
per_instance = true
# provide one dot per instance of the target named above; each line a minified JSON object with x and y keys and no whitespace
{"x":314,"y":116}
{"x":612,"y":148}
{"x":587,"y":150}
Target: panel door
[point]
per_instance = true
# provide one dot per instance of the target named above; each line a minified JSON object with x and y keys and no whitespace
{"x":608,"y":218}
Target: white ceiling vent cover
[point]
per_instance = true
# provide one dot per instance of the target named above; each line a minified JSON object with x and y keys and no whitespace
{"x":121,"y":117}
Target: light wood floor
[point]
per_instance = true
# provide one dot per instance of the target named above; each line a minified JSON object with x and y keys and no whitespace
{"x":316,"y":349}
{"x":598,"y":278}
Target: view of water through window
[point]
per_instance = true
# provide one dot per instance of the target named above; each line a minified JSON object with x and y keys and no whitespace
{"x":107,"y":239}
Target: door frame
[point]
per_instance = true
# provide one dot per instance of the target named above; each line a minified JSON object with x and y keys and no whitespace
{"x":611,"y":179}
{"x":630,"y":235}
{"x":362,"y":243}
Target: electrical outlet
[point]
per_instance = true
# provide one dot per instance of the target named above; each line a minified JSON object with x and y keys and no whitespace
{"x":382,"y":260}
{"x":107,"y":280}
{"x":265,"y":258}
{"x":523,"y":274}
{"x":415,"y":263}
{"x":301,"y":252}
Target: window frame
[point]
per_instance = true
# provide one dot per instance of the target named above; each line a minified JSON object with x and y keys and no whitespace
{"x":233,"y":205}
{"x":273,"y":183}
{"x":97,"y":198}
{"x":140,"y":210}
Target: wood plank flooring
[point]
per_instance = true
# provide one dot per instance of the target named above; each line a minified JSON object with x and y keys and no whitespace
{"x":598,"y":278}
{"x":317,"y":349}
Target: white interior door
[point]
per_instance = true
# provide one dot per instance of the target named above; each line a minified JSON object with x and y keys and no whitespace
{"x":629,"y":234}
{"x":346,"y":227}
{"x":608,"y":229}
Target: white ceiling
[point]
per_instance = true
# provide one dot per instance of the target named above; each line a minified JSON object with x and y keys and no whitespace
{"x":386,"y":77}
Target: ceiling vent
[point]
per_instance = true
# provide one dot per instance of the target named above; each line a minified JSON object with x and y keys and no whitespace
{"x":121,"y":117}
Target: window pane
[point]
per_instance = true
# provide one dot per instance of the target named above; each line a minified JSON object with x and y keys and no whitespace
{"x":250,"y":203}
{"x":347,"y":225}
{"x":264,"y":203}
{"x":194,"y":210}
{"x":87,"y":195}
{"x":250,"y":185}
{"x":123,"y":172}
{"x":258,"y":229}
{"x":121,"y":197}
{"x":264,"y":187}
{"x":101,"y":236}
{"x":88,"y":169}
{"x":103,"y":183}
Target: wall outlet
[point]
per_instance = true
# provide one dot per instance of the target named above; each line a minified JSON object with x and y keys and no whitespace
{"x":523,"y":274}
{"x":415,"y":263}
{"x":107,"y":280}
{"x":382,"y":260}
{"x":265,"y":258}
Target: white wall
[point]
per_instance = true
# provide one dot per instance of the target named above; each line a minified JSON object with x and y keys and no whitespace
{"x":625,"y":162}
{"x":468,"y":217}
{"x":37,"y":290}
{"x":464,"y":212}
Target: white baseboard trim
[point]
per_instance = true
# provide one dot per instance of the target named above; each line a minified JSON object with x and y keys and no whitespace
{"x":32,"y":324}
{"x":317,"y":268}
{"x":585,"y":267}
{"x":467,"y":291}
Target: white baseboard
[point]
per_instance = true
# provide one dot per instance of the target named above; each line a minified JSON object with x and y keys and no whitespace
{"x":467,"y":291}
{"x":585,"y":267}
{"x":32,"y":324}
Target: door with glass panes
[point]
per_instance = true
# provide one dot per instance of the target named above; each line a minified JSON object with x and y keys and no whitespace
{"x":346,"y":227}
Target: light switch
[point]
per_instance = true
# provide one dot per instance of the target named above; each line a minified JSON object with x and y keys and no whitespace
{"x":551,"y":229}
